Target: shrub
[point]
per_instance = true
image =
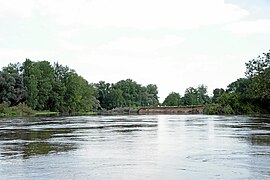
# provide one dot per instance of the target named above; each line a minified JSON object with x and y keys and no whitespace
{"x":213,"y":109}
{"x":19,"y":110}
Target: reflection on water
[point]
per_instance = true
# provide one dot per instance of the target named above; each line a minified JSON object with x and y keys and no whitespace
{"x":255,"y":130}
{"x":41,"y":136}
{"x":27,"y":150}
{"x":27,"y":138}
{"x":135,"y":147}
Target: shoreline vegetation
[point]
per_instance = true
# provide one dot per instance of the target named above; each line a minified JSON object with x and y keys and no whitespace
{"x":23,"y":110}
{"x":39,"y":88}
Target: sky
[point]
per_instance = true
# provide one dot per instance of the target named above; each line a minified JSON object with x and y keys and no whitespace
{"x":174,"y":44}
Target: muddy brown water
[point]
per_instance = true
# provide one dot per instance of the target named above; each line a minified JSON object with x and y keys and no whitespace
{"x":135,"y":147}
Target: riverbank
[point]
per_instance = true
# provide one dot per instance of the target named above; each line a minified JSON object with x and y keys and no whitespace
{"x":23,"y":110}
{"x":173,"y":110}
{"x":120,"y":111}
{"x":15,"y":111}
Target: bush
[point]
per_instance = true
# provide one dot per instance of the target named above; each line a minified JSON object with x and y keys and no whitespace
{"x":217,"y":109}
{"x":213,"y":109}
{"x":4,"y":108}
{"x":19,"y":110}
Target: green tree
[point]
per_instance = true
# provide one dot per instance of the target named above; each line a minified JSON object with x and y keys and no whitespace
{"x":240,"y":86}
{"x":79,"y":94}
{"x":173,"y":99}
{"x":257,"y":66}
{"x":56,"y":98}
{"x":126,"y":93}
{"x":190,"y":96}
{"x":196,"y":96}
{"x":258,"y":73}
{"x":30,"y":79}
{"x":12,"y":90}
{"x":12,"y":68}
{"x":202,"y":98}
{"x":39,"y":79}
{"x":152,"y":95}
{"x":103,"y":94}
{"x":116,"y":99}
{"x":45,"y":78}
{"x":131,"y":91}
{"x":216,"y":94}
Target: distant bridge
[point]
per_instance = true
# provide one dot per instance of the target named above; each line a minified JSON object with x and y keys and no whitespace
{"x":173,"y":110}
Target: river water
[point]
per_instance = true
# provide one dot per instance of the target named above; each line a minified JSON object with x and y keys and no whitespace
{"x":135,"y":147}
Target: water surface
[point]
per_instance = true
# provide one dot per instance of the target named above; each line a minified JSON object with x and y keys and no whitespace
{"x":135,"y":147}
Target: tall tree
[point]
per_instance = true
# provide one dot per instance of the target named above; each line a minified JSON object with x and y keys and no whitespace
{"x":152,"y":95}
{"x":12,"y":68}
{"x":196,"y":96}
{"x":258,"y":72}
{"x":30,"y":78}
{"x":126,"y":93}
{"x":190,"y":97}
{"x":241,"y":87}
{"x":103,"y":94}
{"x":216,"y":94}
{"x":258,"y":66}
{"x":173,"y":99}
{"x":12,"y":90}
{"x":203,"y":98}
{"x":45,"y":83}
{"x":79,"y":94}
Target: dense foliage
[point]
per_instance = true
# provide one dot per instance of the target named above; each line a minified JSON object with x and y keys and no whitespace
{"x":173,"y":99}
{"x":46,"y":87}
{"x":43,"y":86}
{"x":19,"y":110}
{"x":126,"y":93}
{"x":246,"y":95}
{"x":12,"y":90}
{"x":193,"y":96}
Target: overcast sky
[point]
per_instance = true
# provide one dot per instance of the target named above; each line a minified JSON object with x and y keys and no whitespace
{"x":174,"y":44}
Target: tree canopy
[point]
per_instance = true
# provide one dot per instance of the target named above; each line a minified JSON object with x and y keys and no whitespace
{"x":54,"y":87}
{"x":173,"y":99}
{"x":250,"y":94}
{"x":12,"y":89}
{"x":126,"y":93}
{"x":193,"y":96}
{"x":46,"y":87}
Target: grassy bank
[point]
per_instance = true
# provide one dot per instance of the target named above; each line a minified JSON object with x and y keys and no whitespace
{"x":15,"y":111}
{"x":244,"y":109}
{"x":22,"y":110}
{"x":120,"y":111}
{"x":46,"y":113}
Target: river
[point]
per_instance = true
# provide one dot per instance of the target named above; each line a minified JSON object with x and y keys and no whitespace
{"x":135,"y":147}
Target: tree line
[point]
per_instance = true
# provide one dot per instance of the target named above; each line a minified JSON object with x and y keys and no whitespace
{"x":243,"y":96}
{"x":54,"y":87}
{"x":43,"y":86}
{"x":246,"y":95}
{"x":126,"y":93}
{"x":193,"y":96}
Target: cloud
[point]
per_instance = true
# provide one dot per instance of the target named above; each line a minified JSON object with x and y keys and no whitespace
{"x":139,"y":14}
{"x":249,"y":27}
{"x":17,"y":8}
{"x":81,"y":35}
{"x":9,"y":55}
{"x":126,"y":45}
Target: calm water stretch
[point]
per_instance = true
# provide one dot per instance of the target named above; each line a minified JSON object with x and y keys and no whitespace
{"x":135,"y":147}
